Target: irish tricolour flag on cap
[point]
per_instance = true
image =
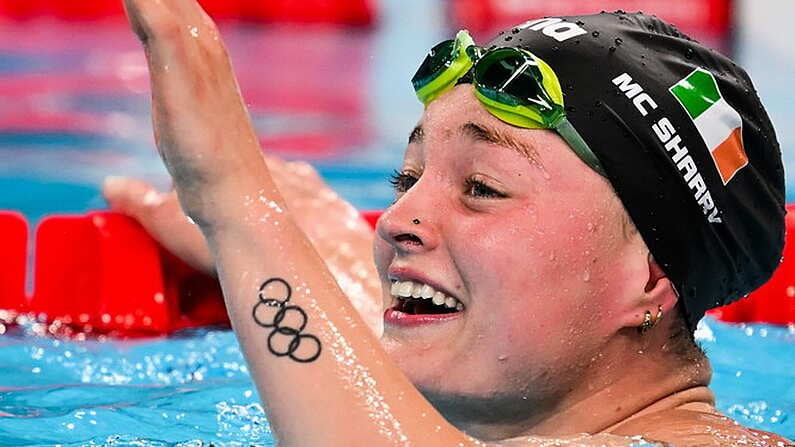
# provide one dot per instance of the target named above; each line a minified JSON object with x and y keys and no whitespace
{"x":718,"y":123}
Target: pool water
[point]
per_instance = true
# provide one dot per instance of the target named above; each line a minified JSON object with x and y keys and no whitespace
{"x":75,"y":108}
{"x":193,"y":388}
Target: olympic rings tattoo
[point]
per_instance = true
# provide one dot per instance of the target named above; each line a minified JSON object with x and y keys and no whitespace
{"x":264,"y":316}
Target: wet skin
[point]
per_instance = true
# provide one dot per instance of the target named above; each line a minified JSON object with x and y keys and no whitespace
{"x":537,"y":216}
{"x":535,"y":325}
{"x":522,"y":349}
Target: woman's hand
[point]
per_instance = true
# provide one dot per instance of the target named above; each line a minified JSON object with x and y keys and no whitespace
{"x":341,"y":237}
{"x":202,"y":129}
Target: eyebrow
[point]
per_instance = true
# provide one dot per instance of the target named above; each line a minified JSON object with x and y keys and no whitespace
{"x":479,"y":132}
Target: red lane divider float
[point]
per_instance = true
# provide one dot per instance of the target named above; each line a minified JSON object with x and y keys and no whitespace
{"x":774,"y":302}
{"x":102,"y":273}
{"x":342,"y":12}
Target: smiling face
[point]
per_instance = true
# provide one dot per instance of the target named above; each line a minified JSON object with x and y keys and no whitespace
{"x":528,"y":243}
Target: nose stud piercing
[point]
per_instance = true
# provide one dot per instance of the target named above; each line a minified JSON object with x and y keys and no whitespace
{"x":648,"y":323}
{"x":415,"y":221}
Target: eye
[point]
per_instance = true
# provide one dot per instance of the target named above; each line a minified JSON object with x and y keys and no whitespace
{"x":402,"y":181}
{"x":477,"y":188}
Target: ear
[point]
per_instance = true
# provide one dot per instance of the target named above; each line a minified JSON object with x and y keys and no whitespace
{"x":658,"y":293}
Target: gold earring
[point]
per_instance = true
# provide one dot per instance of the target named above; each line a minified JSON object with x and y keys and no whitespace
{"x":648,"y":323}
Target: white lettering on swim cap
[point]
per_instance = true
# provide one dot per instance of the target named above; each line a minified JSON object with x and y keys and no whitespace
{"x":555,"y":28}
{"x":667,"y":134}
{"x":635,"y":93}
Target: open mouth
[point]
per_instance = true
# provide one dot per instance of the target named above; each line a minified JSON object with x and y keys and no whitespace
{"x":415,"y":298}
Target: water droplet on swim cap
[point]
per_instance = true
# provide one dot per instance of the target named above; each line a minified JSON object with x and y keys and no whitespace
{"x":654,"y":57}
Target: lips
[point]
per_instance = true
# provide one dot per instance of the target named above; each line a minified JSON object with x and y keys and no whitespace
{"x":417,"y":303}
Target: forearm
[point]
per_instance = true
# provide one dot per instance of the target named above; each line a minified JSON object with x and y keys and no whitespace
{"x":351,"y":374}
{"x":320,"y":372}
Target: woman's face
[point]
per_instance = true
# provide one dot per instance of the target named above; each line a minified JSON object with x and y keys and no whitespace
{"x":515,"y":228}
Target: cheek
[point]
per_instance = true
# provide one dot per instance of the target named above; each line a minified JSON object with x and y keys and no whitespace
{"x":539,"y":270}
{"x":382,"y":254}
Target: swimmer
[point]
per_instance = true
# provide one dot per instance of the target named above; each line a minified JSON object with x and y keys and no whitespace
{"x":543,"y":266}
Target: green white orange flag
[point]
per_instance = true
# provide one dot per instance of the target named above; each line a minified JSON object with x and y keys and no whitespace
{"x":718,"y":123}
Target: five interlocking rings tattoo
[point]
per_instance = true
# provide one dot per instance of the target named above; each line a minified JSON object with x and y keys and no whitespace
{"x":277,"y":322}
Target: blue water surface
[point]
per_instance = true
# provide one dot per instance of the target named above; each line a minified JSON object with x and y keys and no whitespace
{"x":193,"y":388}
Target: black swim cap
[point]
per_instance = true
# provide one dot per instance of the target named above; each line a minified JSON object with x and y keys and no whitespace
{"x":685,"y":141}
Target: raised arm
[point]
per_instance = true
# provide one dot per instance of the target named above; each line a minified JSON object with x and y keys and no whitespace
{"x":321,"y":373}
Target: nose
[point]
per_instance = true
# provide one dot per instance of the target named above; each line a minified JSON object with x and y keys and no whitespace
{"x":410,"y":225}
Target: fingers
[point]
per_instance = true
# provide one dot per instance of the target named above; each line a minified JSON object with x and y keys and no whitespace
{"x":130,"y":196}
{"x":202,"y":128}
{"x":161,"y":216}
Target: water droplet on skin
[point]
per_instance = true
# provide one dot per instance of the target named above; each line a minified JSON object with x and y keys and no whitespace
{"x":612,"y":49}
{"x":595,"y":33}
{"x":515,"y":31}
{"x":194,"y":31}
{"x":502,"y":358}
{"x":619,"y":41}
{"x":689,"y":53}
{"x":586,"y":276}
{"x":508,"y":38}
{"x":580,"y":22}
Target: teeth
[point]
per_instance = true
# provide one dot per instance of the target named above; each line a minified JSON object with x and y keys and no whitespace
{"x":411,"y":289}
{"x":404,"y":289}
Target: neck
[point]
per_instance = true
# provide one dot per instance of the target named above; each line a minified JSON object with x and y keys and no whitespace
{"x":608,"y":392}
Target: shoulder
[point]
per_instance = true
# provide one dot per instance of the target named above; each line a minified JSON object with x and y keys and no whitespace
{"x":686,"y":427}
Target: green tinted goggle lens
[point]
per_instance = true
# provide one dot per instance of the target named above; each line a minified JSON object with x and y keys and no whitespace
{"x":506,"y":73}
{"x":512,"y":77}
{"x":438,"y":59}
{"x":511,"y":83}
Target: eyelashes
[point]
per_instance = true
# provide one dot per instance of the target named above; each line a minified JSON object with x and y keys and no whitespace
{"x":401,"y":181}
{"x":477,"y":188}
{"x":473,"y":186}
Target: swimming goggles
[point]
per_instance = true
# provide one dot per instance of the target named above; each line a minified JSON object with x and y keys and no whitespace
{"x":512,"y":84}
